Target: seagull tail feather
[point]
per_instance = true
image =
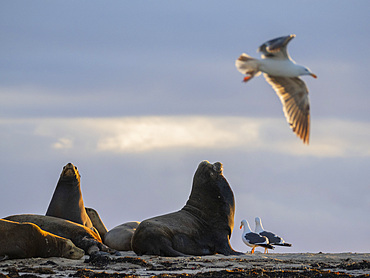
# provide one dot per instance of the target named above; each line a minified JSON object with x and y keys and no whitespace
{"x":245,"y":57}
{"x":269,"y":246}
{"x":248,"y":65}
{"x":284,"y":244}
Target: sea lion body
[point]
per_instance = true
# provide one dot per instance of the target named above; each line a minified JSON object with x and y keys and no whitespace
{"x":26,"y":240}
{"x":202,"y":227}
{"x":96,"y":221}
{"x":119,"y":237}
{"x":80,"y":235}
{"x":67,"y":202}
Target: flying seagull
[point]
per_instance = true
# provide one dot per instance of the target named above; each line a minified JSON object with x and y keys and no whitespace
{"x":253,"y":239}
{"x":273,"y":238}
{"x":283,"y":75}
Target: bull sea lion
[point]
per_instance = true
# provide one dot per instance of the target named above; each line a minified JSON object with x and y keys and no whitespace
{"x":67,"y":202}
{"x":81,"y":236}
{"x":202,"y":227}
{"x":119,"y":237}
{"x":26,"y":240}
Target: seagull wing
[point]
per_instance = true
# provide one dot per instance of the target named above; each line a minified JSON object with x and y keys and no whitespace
{"x":273,"y":238}
{"x":255,"y":239}
{"x":293,"y":94}
{"x":276,"y":48}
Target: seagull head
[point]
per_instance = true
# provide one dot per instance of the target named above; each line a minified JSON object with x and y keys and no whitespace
{"x":243,"y":223}
{"x":246,"y":226}
{"x":259,"y":227}
{"x":306,"y":71}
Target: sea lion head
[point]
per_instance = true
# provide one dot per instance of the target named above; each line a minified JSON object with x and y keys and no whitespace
{"x":208,"y":170}
{"x":71,"y":251}
{"x":70,"y":171}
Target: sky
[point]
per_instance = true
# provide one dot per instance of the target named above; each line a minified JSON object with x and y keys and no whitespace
{"x":137,"y":93}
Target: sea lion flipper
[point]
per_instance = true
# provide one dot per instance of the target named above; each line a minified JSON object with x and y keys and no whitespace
{"x":3,"y":257}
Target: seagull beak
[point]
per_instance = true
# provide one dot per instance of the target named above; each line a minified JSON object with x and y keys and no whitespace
{"x":241,"y":226}
{"x":313,"y":75}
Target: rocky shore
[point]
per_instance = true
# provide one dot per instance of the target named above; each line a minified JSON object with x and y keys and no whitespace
{"x":248,"y":265}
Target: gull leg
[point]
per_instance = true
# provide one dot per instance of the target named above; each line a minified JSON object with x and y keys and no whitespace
{"x":247,"y":78}
{"x":252,"y":251}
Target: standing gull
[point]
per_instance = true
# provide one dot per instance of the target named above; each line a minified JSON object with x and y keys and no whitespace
{"x":283,"y":75}
{"x":253,"y":239}
{"x":273,"y":238}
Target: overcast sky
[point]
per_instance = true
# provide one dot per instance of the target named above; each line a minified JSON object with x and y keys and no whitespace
{"x":137,"y":93}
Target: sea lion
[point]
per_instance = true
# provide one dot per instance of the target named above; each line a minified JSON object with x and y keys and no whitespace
{"x":119,"y":237}
{"x":96,"y":221}
{"x":67,"y":202}
{"x":81,"y":236}
{"x":26,"y":240}
{"x":202,"y":227}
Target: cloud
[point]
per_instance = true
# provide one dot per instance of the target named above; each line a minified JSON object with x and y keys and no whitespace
{"x":150,"y":133}
{"x":329,"y":138}
{"x":63,"y":143}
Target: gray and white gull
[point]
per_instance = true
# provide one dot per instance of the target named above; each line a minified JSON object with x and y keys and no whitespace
{"x":253,"y":239}
{"x":283,"y":75}
{"x":272,"y":237}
